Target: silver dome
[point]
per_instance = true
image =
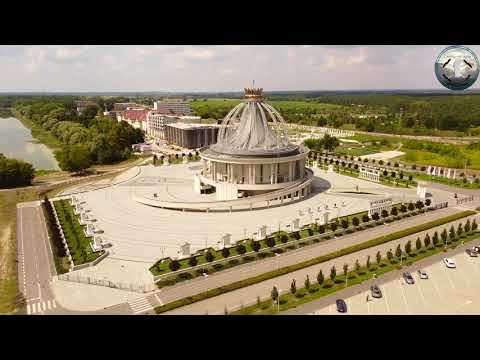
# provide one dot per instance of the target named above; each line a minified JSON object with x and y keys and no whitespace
{"x":253,"y":127}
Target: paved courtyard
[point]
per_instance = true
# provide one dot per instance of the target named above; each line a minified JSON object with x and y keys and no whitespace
{"x":446,"y":291}
{"x":140,"y":234}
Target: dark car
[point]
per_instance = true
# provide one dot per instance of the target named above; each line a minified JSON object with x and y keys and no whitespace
{"x":341,"y":306}
{"x":472,"y":252}
{"x":376,"y":293}
{"x":477,"y":249}
{"x":408,"y":278}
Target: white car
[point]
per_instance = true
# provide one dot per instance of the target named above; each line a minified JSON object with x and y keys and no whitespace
{"x":449,"y":263}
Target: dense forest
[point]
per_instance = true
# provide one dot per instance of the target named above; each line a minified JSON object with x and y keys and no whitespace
{"x":86,"y":138}
{"x":15,"y":172}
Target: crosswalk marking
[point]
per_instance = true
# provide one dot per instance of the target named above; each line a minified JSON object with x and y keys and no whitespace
{"x":41,"y":306}
{"x":140,"y":305}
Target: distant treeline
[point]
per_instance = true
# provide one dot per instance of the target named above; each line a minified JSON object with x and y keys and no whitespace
{"x":87,"y":138}
{"x":15,"y":172}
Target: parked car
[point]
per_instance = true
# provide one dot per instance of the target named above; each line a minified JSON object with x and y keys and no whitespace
{"x":341,"y":306}
{"x":422,"y":274}
{"x":376,"y":293}
{"x":408,"y":278}
{"x":471,"y":252}
{"x":450,"y":263}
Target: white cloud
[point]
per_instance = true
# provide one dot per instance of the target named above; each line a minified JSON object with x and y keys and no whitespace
{"x":216,"y":68}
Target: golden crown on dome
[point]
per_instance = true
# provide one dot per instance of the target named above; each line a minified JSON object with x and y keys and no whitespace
{"x":254,"y":92}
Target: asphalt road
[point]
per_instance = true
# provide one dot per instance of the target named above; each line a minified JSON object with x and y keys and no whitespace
{"x":34,"y":260}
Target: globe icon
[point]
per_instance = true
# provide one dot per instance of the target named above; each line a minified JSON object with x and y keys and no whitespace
{"x":456,"y":67}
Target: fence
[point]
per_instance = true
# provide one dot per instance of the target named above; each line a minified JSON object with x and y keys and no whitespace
{"x":465,"y":200}
{"x":141,"y":288}
{"x":320,"y":237}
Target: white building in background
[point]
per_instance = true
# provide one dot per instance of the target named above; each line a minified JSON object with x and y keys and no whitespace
{"x":368,"y":173}
{"x":156,"y":122}
{"x":173,"y":106}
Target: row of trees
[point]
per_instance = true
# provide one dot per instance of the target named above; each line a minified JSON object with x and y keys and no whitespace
{"x":15,"y":172}
{"x":428,"y":243}
{"x":271,"y":242}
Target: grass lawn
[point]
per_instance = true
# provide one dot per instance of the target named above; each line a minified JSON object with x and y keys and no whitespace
{"x":78,"y":243}
{"x":11,"y":299}
{"x":302,"y":296}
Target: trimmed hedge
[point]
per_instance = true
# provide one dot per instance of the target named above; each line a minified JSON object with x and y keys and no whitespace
{"x":288,"y":269}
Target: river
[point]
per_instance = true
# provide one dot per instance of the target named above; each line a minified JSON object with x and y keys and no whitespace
{"x":17,"y":142}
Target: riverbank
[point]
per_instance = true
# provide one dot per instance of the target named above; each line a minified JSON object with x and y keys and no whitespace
{"x":42,"y":135}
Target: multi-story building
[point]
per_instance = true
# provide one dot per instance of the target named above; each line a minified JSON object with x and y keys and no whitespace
{"x":173,"y":107}
{"x":191,"y":136}
{"x":156,"y":122}
{"x":135,"y":117}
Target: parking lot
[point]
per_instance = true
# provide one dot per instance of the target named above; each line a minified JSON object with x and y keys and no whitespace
{"x":446,"y":291}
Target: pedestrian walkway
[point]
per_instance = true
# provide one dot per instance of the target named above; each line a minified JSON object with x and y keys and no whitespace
{"x":141,"y":305}
{"x":41,"y":307}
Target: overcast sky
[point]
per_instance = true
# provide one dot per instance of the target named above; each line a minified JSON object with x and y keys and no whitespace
{"x":217,"y":68}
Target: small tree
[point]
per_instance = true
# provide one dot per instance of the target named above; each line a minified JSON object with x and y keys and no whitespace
{"x":394,"y":211}
{"x":258,"y":301}
{"x":307,"y":283}
{"x":345,"y":270}
{"x":384,"y":213}
{"x":344,"y":223}
{"x":274,"y":294}
{"x":357,"y":266}
{"x":365,"y":218}
{"x":209,"y":256}
{"x":174,"y":265}
{"x":241,"y":249}
{"x":379,"y":257}
{"x":426,"y":242}
{"x":408,"y":247}
{"x":452,"y":234}
{"x":333,"y":273}
{"x":398,"y":251}
{"x":284,"y":238}
{"x":333,"y":226}
{"x":192,"y":261}
{"x":460,"y":230}
{"x":411,"y":207}
{"x":474,"y":225}
{"x":390,"y":256}
{"x":355,"y":221}
{"x":320,"y":278}
{"x":226,"y":252}
{"x":418,"y":244}
{"x":428,"y":202}
{"x":375,"y":216}
{"x":468,"y":226}
{"x":256,"y":245}
{"x":403,"y":208}
{"x":435,"y":238}
{"x":270,"y":242}
{"x":368,"y":262}
{"x":444,"y":236}
{"x":293,"y":287}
